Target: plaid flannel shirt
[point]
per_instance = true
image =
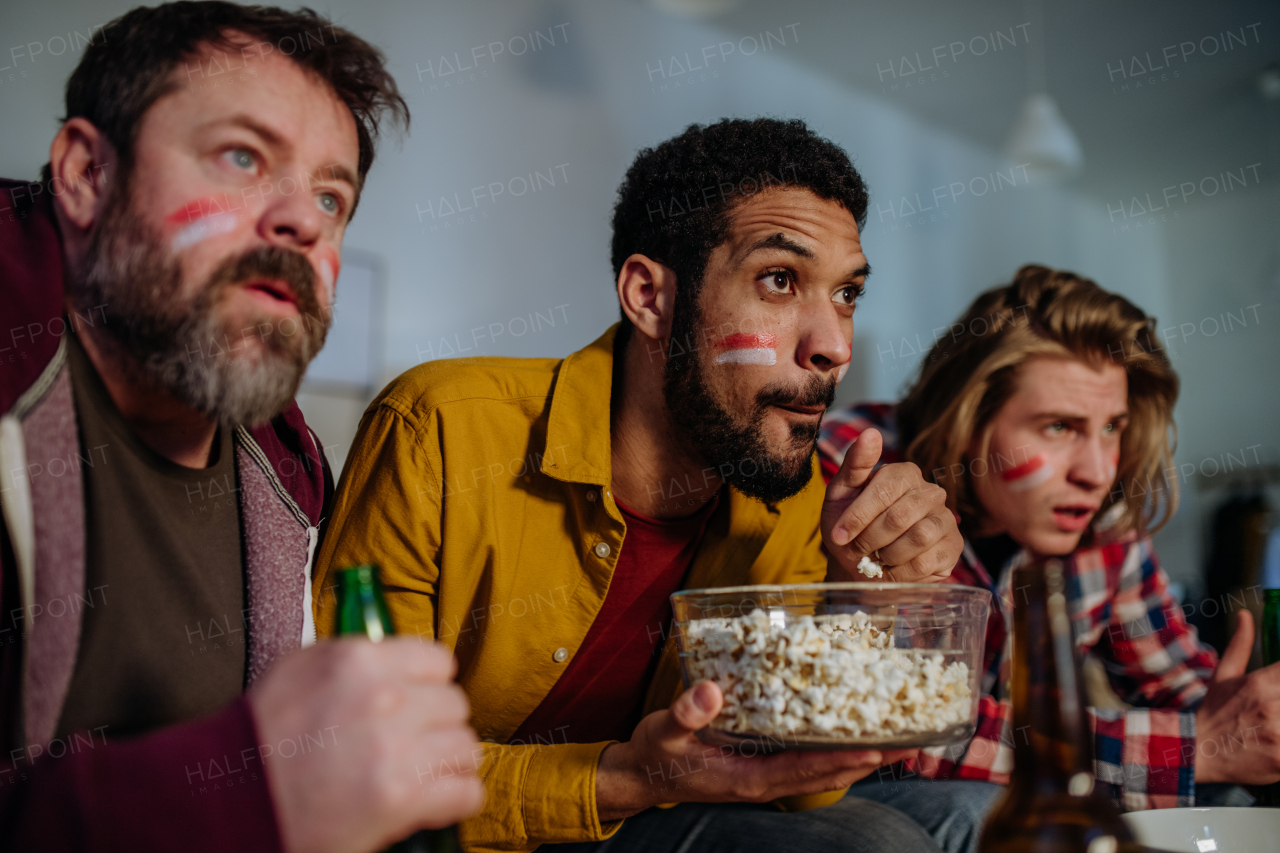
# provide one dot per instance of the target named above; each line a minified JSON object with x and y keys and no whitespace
{"x":1122,"y":611}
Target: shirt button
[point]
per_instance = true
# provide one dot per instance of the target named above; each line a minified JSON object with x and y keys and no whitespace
{"x":591,"y":495}
{"x":560,"y":655}
{"x":602,"y":549}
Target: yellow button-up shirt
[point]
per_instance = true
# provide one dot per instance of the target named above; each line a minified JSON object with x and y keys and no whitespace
{"x":481,"y":486}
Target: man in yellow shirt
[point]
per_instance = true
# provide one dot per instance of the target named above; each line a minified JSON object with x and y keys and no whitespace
{"x":534,"y":515}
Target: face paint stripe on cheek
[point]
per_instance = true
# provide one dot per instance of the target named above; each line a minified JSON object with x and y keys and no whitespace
{"x":200,"y":208}
{"x":743,"y":348}
{"x":202,"y":229}
{"x":202,"y":218}
{"x":191,"y":211}
{"x":330,"y":266}
{"x":327,"y":274}
{"x":1029,"y":474}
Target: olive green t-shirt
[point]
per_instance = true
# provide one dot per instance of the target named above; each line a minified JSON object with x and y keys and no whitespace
{"x":163,"y":634}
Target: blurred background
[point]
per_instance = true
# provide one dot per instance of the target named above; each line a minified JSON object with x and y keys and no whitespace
{"x":1134,"y":143}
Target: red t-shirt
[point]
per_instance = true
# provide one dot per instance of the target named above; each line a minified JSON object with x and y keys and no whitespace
{"x":600,"y":694}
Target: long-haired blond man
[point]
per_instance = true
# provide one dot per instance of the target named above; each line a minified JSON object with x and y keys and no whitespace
{"x":1046,"y":412}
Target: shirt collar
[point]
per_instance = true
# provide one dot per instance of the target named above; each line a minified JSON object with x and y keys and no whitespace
{"x":579,"y":420}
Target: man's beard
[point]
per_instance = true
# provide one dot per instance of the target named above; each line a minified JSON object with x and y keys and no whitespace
{"x":181,"y":344}
{"x":738,"y":450}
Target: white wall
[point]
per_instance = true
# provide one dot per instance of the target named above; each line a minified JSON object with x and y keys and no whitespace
{"x":579,"y":109}
{"x":603,"y":100}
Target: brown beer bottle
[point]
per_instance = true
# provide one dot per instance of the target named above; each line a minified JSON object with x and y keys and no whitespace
{"x":362,"y":610}
{"x":1050,"y":806}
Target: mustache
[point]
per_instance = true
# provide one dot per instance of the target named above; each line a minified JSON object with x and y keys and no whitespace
{"x":815,"y":391}
{"x":271,"y":262}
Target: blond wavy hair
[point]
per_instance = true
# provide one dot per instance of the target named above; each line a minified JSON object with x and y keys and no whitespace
{"x":971,"y":372}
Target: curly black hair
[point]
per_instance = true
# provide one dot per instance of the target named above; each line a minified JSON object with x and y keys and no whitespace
{"x":674,"y":204}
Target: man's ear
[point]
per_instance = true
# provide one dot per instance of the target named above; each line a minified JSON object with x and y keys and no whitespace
{"x":647,"y":292}
{"x":79,"y":159}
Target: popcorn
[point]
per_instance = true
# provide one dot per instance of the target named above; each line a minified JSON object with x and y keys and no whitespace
{"x":834,"y":675}
{"x":870,"y":568}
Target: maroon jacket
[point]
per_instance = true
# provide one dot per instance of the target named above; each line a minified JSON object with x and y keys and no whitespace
{"x":196,"y":786}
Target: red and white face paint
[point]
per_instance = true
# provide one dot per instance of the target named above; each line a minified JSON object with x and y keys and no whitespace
{"x":198,"y":221}
{"x":743,"y":348}
{"x":1029,"y":474}
{"x":329,"y":266}
{"x":327,"y":274}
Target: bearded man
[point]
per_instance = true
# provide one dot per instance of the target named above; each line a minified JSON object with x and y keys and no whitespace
{"x":535,"y":514}
{"x":164,"y":289}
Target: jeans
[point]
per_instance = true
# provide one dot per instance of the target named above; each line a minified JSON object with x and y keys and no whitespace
{"x":1222,"y":794}
{"x":952,"y":811}
{"x":852,"y":825}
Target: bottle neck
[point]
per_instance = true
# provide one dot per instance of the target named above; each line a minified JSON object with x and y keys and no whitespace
{"x":361,"y":607}
{"x":1052,"y":747}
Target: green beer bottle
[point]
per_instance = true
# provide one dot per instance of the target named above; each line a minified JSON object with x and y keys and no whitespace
{"x":1269,"y":795}
{"x":362,"y":610}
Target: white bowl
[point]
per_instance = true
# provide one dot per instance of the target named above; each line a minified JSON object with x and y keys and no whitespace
{"x":1210,"y":830}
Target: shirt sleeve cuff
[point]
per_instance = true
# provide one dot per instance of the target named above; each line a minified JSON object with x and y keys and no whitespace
{"x":560,"y":794}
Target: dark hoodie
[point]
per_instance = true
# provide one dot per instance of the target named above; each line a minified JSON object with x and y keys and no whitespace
{"x":196,"y":786}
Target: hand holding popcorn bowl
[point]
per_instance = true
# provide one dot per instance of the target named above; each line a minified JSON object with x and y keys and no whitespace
{"x":836,"y":665}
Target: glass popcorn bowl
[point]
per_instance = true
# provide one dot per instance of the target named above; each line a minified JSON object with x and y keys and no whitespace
{"x":836,"y":665}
